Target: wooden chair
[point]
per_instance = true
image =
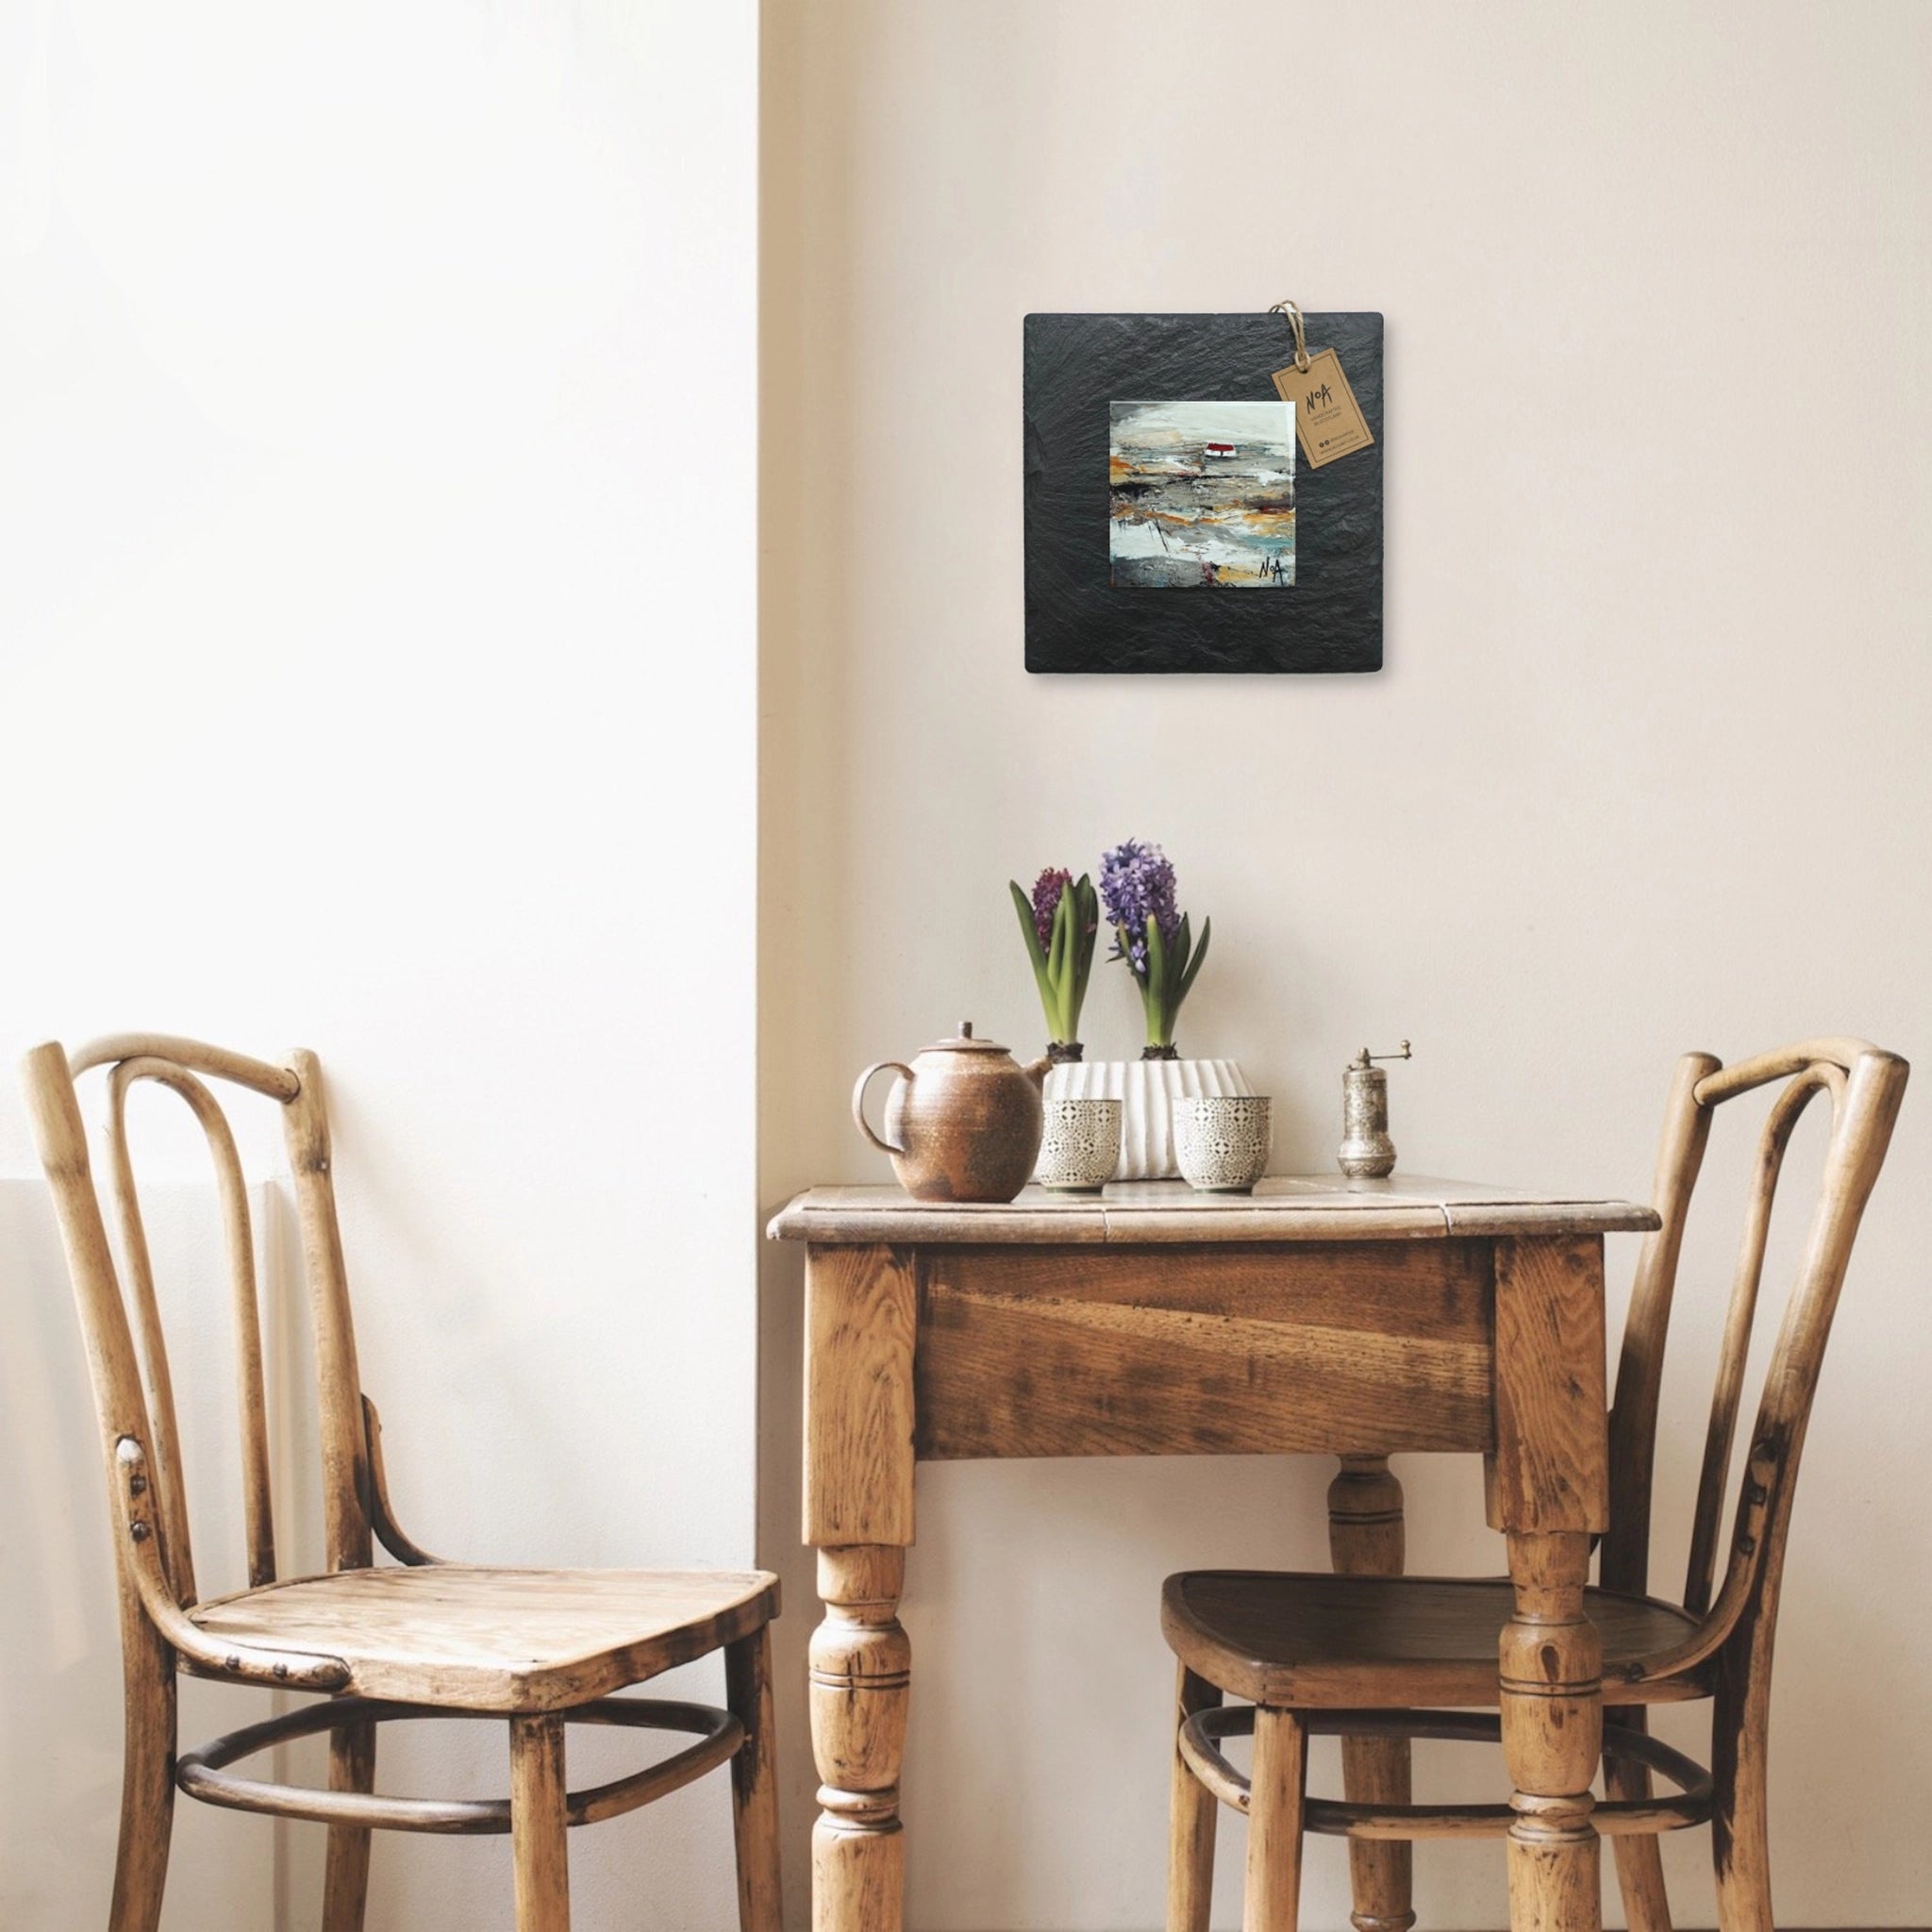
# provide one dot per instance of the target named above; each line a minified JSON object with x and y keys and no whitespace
{"x":1365,"y":1657}
{"x":536,"y":1648}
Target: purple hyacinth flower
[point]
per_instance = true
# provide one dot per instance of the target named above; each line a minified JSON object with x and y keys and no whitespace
{"x":1137,"y":883}
{"x":1048,"y":889}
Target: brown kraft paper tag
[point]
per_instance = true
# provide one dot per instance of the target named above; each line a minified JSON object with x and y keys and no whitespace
{"x":1327,"y":419}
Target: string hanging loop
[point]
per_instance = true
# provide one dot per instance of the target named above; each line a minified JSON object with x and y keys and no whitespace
{"x":1301,"y":338}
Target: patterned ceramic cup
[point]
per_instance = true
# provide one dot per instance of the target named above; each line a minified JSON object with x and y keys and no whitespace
{"x":1223,"y":1140}
{"x":1081,"y":1145}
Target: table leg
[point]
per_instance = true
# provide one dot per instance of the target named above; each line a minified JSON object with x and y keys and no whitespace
{"x":1552,"y":1730}
{"x":860,"y":1687}
{"x":1365,"y":1539}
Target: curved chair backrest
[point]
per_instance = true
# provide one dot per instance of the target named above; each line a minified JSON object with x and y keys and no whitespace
{"x":1865,"y":1086}
{"x":128,"y":1355}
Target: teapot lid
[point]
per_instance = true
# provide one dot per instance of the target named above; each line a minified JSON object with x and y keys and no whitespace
{"x":963,"y":1041}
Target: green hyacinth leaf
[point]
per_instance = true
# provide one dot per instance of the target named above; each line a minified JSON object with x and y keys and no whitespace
{"x":1035,"y":958}
{"x":1177,"y":953}
{"x":1174,"y":988}
{"x":1193,"y":970}
{"x":1086,"y":929}
{"x":1024,"y":907}
{"x":1154,"y":996}
{"x":1057,"y":974}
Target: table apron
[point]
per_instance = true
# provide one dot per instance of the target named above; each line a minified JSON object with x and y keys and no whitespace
{"x":1232,"y":1350}
{"x":952,"y":1353}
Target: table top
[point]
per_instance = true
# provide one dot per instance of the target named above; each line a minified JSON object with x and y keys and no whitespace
{"x":1287,"y":1207}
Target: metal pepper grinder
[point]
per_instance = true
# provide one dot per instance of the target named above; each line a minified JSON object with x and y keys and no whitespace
{"x":1366,"y":1151}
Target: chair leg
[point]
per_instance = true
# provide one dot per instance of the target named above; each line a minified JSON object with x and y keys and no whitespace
{"x":147,"y":1777}
{"x":1378,"y":1771}
{"x":1639,"y":1858}
{"x":1192,"y":1816}
{"x":1744,"y":1876}
{"x":1740,"y":1827}
{"x":1277,"y":1786}
{"x":755,"y":1782}
{"x":345,"y":1880}
{"x":539,"y":1823}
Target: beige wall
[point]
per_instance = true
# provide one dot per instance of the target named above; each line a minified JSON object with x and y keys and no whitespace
{"x":1645,"y":770}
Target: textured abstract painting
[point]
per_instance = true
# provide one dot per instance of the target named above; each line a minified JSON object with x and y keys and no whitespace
{"x":1201,"y":496}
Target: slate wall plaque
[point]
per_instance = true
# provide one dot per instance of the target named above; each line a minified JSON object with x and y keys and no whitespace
{"x":1172,"y":524}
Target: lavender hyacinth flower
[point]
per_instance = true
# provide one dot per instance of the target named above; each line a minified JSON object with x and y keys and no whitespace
{"x":1151,"y":935}
{"x":1136,"y":884}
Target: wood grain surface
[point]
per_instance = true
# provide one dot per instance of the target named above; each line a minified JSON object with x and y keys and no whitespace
{"x":1233,"y":1350}
{"x":862,"y":1313}
{"x":1549,"y":1470}
{"x":498,"y":1639}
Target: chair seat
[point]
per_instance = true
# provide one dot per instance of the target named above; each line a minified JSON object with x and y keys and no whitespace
{"x":1313,"y":1641}
{"x":477,"y":1639}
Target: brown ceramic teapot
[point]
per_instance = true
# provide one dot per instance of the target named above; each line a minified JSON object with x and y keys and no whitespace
{"x":963,"y":1120}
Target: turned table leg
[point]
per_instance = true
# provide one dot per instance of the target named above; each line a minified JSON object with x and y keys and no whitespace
{"x":861,"y":1317}
{"x":1552,"y":1733}
{"x":1548,"y":1483}
{"x":860,"y":1684}
{"x":1365,"y":1540}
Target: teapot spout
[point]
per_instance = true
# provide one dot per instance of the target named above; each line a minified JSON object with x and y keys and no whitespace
{"x":1037,"y":1069}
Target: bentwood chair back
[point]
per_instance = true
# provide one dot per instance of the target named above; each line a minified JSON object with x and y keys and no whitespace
{"x":1737,"y":1621}
{"x":534,"y":1648}
{"x":1357,"y":1656}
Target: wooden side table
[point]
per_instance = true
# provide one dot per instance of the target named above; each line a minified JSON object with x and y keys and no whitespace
{"x":1354,"y":1319}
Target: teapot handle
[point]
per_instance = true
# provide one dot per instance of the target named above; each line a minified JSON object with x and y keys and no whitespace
{"x":859,"y":1101}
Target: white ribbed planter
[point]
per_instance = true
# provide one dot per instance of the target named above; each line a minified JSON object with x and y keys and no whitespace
{"x":1146,"y":1091}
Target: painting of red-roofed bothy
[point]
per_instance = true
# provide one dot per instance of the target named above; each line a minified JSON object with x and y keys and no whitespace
{"x":1201,"y":496}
